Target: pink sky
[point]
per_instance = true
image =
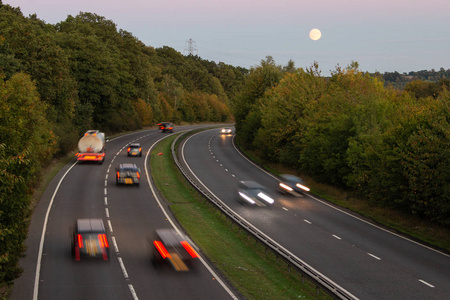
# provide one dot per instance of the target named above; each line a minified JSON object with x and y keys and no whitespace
{"x":402,"y":35}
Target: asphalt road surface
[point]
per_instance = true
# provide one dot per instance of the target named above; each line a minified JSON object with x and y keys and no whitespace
{"x":131,"y":214}
{"x":366,"y":260}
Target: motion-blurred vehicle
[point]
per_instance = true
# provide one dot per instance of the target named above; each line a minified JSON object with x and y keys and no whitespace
{"x":226,"y":130}
{"x":250,"y":192}
{"x":165,"y":126}
{"x":90,"y":239}
{"x":292,"y":184}
{"x":91,"y":147}
{"x":128,"y":173}
{"x":134,"y":149}
{"x":171,"y":247}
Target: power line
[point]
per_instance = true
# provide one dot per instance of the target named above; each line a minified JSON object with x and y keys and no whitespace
{"x":190,"y":47}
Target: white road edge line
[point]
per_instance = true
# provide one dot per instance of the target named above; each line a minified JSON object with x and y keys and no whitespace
{"x":182,"y":155}
{"x":343,"y":211}
{"x":218,"y":279}
{"x":44,"y":229}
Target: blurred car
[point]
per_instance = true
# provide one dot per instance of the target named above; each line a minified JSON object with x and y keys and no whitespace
{"x":171,"y":247}
{"x":90,"y":239}
{"x":165,"y":126}
{"x":226,"y":130}
{"x":250,"y":192}
{"x":292,"y":184}
{"x":134,"y":150}
{"x":128,"y":173}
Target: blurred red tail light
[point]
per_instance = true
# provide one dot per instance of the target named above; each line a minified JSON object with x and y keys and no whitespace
{"x":189,"y":249}
{"x":161,"y":249}
{"x":103,"y":241}
{"x":80,"y":241}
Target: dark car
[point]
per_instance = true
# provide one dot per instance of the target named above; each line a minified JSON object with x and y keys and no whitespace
{"x":250,"y":192}
{"x":292,"y":184}
{"x":165,"y":126}
{"x":90,"y":239}
{"x":134,"y":149}
{"x":171,"y":247}
{"x":226,"y":130}
{"x":128,"y":173}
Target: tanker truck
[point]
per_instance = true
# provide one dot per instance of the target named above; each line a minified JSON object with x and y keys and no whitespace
{"x":91,"y":147}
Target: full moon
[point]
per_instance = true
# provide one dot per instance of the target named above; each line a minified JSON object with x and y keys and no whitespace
{"x":315,"y":34}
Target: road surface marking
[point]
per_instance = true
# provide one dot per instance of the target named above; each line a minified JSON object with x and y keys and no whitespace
{"x":125,"y":274}
{"x":376,"y":257}
{"x":110,"y":226}
{"x":307,"y":221}
{"x":426,"y":283}
{"x":337,"y":237}
{"x":135,"y":297}
{"x":116,"y":248}
{"x":44,"y":230}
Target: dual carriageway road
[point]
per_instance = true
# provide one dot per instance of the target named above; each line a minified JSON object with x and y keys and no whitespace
{"x":367,"y":261}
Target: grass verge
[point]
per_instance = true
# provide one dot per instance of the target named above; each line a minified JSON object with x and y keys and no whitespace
{"x":252,"y":270}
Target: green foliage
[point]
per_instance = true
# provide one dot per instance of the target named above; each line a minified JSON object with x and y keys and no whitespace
{"x":401,"y":81}
{"x":388,"y":146}
{"x":83,"y":73}
{"x":246,"y":105}
{"x":26,"y":144}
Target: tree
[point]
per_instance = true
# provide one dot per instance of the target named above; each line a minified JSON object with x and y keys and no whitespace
{"x":26,"y":144}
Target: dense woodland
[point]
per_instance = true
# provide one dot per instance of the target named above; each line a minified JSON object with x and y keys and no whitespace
{"x":57,"y":81}
{"x":388,"y":143}
{"x":389,"y":146}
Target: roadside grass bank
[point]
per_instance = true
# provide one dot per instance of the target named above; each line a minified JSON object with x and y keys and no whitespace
{"x":407,"y":225}
{"x":244,"y":262}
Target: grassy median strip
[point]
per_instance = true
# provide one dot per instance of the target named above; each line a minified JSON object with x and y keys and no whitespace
{"x":255,"y":272}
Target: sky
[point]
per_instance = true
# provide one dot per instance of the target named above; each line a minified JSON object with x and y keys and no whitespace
{"x":381,"y":35}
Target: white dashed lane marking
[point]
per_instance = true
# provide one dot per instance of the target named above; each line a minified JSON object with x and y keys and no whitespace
{"x":376,"y":257}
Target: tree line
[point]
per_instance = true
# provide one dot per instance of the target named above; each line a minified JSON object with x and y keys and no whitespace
{"x":430,"y":77}
{"x":57,"y":81}
{"x":389,"y":146}
{"x":387,"y":143}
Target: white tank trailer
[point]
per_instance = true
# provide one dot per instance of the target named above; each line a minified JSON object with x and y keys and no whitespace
{"x":91,"y":147}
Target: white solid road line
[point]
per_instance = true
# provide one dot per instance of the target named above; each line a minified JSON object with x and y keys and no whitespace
{"x":44,"y":229}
